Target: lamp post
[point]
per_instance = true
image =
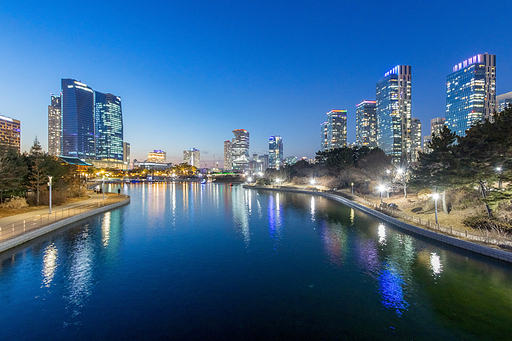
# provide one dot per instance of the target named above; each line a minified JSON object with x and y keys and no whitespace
{"x":435,"y":196}
{"x":50,"y":184}
{"x":352,"y":184}
{"x":312,"y":181}
{"x":103,"y":187}
{"x":381,"y":188}
{"x":403,"y":175}
{"x":499,"y":177}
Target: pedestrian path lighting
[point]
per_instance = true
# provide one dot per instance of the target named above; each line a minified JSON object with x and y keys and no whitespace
{"x":352,"y":184}
{"x":435,"y":196}
{"x":278,"y":181}
{"x":312,"y":181}
{"x":103,"y":187}
{"x":381,"y":189}
{"x":498,"y":169}
{"x":50,"y":185}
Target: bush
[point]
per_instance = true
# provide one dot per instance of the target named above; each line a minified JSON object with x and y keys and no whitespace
{"x":462,"y":199}
{"x":15,"y":203}
{"x":487,"y":224}
{"x":262,"y":182}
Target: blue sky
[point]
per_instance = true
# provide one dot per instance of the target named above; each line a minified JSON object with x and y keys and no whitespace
{"x":189,"y":72}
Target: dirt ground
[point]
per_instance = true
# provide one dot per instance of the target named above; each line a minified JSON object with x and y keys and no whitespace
{"x":7,"y":212}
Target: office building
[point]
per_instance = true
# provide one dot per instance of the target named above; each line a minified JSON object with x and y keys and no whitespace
{"x":504,"y":101}
{"x":77,"y":120}
{"x":426,"y":141}
{"x":393,"y":97}
{"x":126,"y":156}
{"x":157,"y":156}
{"x":471,"y":93}
{"x":240,"y":150}
{"x":54,"y":126}
{"x":108,"y":127}
{"x":10,"y":132}
{"x":192,"y":157}
{"x":334,"y":130}
{"x":275,"y":151}
{"x":415,"y":138}
{"x":436,"y":125}
{"x":366,"y":124}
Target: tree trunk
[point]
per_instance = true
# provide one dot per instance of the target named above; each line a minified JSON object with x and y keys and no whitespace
{"x":445,"y":206}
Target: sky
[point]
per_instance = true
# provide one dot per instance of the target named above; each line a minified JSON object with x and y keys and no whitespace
{"x":190,"y":72}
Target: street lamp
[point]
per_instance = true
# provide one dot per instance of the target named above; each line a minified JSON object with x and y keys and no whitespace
{"x":499,"y":177}
{"x":103,"y":187}
{"x":352,"y":184}
{"x":435,"y":196}
{"x":312,"y":181}
{"x":403,"y":175}
{"x":278,"y":181}
{"x":381,"y":189}
{"x":50,"y":184}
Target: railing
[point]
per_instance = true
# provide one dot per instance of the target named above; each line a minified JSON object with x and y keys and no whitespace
{"x":483,"y":236}
{"x":19,"y":227}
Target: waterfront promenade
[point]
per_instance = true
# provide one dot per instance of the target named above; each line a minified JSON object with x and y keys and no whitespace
{"x":20,"y":228}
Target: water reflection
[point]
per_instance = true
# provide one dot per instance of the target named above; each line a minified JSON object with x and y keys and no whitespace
{"x":240,"y":209}
{"x":382,"y":234}
{"x":49,"y":264}
{"x":312,"y":208}
{"x":274,"y":219}
{"x":435,"y":264}
{"x":391,"y":289}
{"x":105,"y":229}
{"x":335,"y":240}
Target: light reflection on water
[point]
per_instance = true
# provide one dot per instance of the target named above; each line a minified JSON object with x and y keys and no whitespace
{"x":214,"y":253}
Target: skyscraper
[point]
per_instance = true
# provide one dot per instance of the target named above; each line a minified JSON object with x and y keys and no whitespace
{"x":10,"y":131}
{"x":415,"y":138}
{"x":157,"y":156}
{"x":126,"y":156}
{"x":504,"y":101}
{"x":54,"y":126}
{"x":77,"y":120}
{"x":393,"y":94}
{"x":471,"y":93}
{"x":334,"y":130}
{"x":192,"y":156}
{"x":240,"y":150}
{"x":227,"y":155}
{"x":366,"y":124}
{"x":108,"y":119}
{"x":275,"y":151}
{"x":436,"y":125}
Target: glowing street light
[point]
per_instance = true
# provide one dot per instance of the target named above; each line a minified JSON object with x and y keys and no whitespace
{"x":435,"y":196}
{"x":50,"y":184}
{"x":498,"y":169}
{"x":103,"y":189}
{"x":352,"y":184}
{"x":278,"y":181}
{"x":381,"y":189}
{"x":312,"y":181}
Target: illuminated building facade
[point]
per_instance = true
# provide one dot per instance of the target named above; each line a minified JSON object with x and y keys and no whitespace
{"x":275,"y":151}
{"x":366,"y":124}
{"x":240,"y":150}
{"x":77,"y":120}
{"x":436,"y":125}
{"x":192,"y":157}
{"x":334,"y":130}
{"x":471,"y":93}
{"x":126,"y":156}
{"x":504,"y":101}
{"x":415,"y":138}
{"x":108,"y":119}
{"x":393,"y":97}
{"x":10,"y":131}
{"x":157,"y":156}
{"x":54,"y":126}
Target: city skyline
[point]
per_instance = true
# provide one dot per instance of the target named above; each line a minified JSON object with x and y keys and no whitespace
{"x":227,"y":66}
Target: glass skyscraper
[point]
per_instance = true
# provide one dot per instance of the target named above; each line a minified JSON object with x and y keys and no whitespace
{"x":54,"y":126}
{"x":415,"y":138}
{"x":275,"y":151}
{"x":504,"y":101}
{"x":240,"y":150}
{"x":393,"y":95}
{"x":77,"y":120}
{"x":108,"y":117}
{"x":334,"y":130}
{"x":366,"y":124}
{"x":471,"y":93}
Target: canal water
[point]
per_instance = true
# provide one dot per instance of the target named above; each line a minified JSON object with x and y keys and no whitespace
{"x":187,"y":261}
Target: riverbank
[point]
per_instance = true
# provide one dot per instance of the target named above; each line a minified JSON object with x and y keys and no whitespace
{"x":21,"y":228}
{"x":446,"y":236}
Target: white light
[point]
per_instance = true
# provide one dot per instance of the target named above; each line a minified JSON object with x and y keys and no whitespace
{"x":278,"y":180}
{"x":435,"y":196}
{"x":382,"y":188}
{"x":249,"y":179}
{"x":312,"y":181}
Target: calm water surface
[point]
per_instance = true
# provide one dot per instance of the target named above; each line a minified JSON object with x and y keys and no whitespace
{"x":191,"y":261}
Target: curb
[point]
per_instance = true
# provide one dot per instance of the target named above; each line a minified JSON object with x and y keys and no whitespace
{"x":11,"y":243}
{"x":469,"y":246}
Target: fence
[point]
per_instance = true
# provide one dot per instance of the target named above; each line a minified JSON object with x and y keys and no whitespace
{"x":17,"y":228}
{"x":490,"y":237}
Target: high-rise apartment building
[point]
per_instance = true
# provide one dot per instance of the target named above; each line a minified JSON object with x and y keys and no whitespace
{"x":126,"y":156}
{"x":436,"y":125}
{"x":228,"y":164}
{"x":108,"y":123}
{"x":415,"y":138}
{"x":275,"y":151}
{"x":77,"y":120}
{"x":471,"y":93}
{"x":240,"y":150}
{"x":10,"y":132}
{"x":393,"y":95}
{"x":157,"y":156}
{"x":54,"y":126}
{"x":192,"y":156}
{"x":366,"y":124}
{"x":334,"y":130}
{"x":504,"y":101}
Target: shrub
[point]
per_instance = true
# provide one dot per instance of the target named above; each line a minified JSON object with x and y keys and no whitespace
{"x":487,"y":224}
{"x":15,"y":203}
{"x":262,"y":182}
{"x":462,"y":199}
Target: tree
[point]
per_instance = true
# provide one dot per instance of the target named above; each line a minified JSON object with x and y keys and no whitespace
{"x":13,"y":173}
{"x":37,"y":168}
